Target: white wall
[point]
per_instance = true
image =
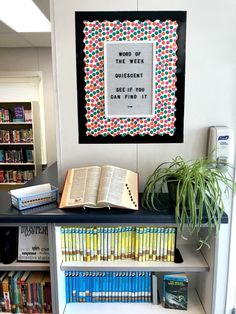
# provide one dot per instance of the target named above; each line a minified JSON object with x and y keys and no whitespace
{"x":209,"y":99}
{"x":210,"y":82}
{"x":36,"y":59}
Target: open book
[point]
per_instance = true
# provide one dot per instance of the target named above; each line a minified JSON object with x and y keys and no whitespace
{"x":105,"y":186}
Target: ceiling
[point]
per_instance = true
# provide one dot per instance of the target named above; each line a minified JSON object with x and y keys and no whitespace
{"x":10,"y":38}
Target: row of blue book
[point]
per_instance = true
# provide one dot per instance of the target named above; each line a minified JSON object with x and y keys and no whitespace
{"x":126,"y":286}
{"x":95,"y":286}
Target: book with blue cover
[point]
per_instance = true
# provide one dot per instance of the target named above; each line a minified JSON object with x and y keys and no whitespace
{"x":175,"y":291}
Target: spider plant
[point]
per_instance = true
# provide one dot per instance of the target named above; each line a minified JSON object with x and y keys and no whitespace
{"x":197,"y":189}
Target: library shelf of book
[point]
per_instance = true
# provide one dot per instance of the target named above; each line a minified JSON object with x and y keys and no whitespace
{"x":20,"y":152}
{"x":194,"y":264}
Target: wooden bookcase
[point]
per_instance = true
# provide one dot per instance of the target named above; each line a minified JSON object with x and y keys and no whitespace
{"x":15,"y":140}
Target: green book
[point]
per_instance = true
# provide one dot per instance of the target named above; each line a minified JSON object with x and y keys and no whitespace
{"x":175,"y":291}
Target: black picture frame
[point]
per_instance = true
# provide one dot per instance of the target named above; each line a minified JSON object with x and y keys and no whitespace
{"x":178,"y":16}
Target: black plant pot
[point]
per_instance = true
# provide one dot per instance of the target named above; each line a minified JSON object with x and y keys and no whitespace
{"x":172,"y":189}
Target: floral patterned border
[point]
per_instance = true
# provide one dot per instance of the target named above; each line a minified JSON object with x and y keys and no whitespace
{"x":164,"y":34}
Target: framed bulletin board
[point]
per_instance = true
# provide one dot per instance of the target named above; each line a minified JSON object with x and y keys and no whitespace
{"x":130,"y":76}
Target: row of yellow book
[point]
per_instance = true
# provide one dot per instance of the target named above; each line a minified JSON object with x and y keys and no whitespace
{"x":118,"y":243}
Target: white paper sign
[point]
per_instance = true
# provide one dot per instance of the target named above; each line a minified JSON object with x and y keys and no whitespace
{"x":33,"y":243}
{"x":129,"y":78}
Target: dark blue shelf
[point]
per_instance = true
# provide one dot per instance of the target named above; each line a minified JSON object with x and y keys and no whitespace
{"x":52,"y":214}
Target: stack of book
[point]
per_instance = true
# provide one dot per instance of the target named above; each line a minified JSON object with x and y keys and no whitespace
{"x":118,"y":243}
{"x":25,"y":292}
{"x":124,"y":286}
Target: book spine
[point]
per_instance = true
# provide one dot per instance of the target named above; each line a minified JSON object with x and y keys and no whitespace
{"x":165,"y":249}
{"x":63,"y":243}
{"x":112,"y":244}
{"x":133,"y":235}
{"x":88,"y":243}
{"x":158,"y":245}
{"x":173,"y":244}
{"x":67,"y":286}
{"x":80,"y":291}
{"x":140,"y":255}
{"x":6,"y":295}
{"x":105,"y":250}
{"x":98,"y":243}
{"x":66,"y":244}
{"x":109,"y":244}
{"x":144,"y":244}
{"x":77,"y":244}
{"x":162,"y":235}
{"x":136,"y":253}
{"x":113,"y":286}
{"x":116,"y":243}
{"x":90,"y":285}
{"x":169,"y":245}
{"x":102,"y":244}
{"x":70,"y":286}
{"x":84,"y":243}
{"x":123,"y":235}
{"x":73,"y":238}
{"x":77,"y":286}
{"x":126,"y":244}
{"x":150,"y":257}
{"x":119,"y":253}
{"x":73,"y":286}
{"x":96,"y":288}
{"x":103,"y":293}
{"x":106,"y":286}
{"x":147,"y":244}
{"x":95,"y":244}
{"x":92,"y":244}
{"x":80,"y":241}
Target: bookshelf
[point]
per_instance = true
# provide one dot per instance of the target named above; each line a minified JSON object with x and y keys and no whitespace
{"x":194,"y":263}
{"x":20,"y":270}
{"x":199,"y":265}
{"x":20,"y":153}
